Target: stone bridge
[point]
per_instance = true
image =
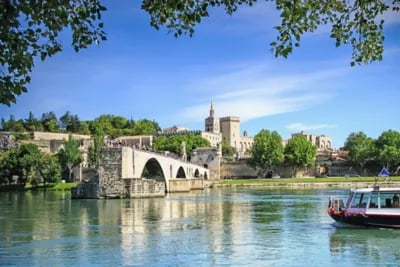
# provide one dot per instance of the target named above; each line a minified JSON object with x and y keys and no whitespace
{"x":124,"y":171}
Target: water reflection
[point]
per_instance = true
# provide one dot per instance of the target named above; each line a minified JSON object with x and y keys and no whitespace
{"x":211,"y":227}
{"x":380,"y":245}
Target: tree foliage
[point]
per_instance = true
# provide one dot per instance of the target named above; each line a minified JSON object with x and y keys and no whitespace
{"x":70,"y":123}
{"x":69,"y":156}
{"x":384,"y":151}
{"x":115,"y":126}
{"x":110,"y":125}
{"x":173,"y":143}
{"x":49,"y":169}
{"x":267,"y":150}
{"x":30,"y":29}
{"x":388,"y":148}
{"x":94,"y":149}
{"x":28,"y":164}
{"x":299,"y":152}
{"x":361,"y":148}
{"x":354,"y":23}
{"x":227,"y":150}
{"x":50,"y":122}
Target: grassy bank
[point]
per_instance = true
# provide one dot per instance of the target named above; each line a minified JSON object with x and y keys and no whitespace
{"x":304,"y":181}
{"x":51,"y":186}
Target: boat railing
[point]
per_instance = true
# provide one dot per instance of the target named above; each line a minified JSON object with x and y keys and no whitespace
{"x":336,"y":204}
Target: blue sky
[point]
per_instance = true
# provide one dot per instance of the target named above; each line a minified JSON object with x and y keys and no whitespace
{"x":140,"y":72}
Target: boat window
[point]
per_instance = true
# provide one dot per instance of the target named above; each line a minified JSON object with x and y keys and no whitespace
{"x":359,"y":201}
{"x":349,"y":199}
{"x":374,"y":202}
{"x":389,"y":200}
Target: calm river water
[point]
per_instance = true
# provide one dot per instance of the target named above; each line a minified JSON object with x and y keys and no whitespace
{"x":214,"y":227}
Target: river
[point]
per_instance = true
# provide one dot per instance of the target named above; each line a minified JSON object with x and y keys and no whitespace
{"x":214,"y":227}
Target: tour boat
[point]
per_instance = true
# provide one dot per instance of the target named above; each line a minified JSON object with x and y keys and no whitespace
{"x":373,"y":207}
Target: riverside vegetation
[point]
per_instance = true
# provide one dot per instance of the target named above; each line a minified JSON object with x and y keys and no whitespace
{"x":329,"y":181}
{"x":26,"y":164}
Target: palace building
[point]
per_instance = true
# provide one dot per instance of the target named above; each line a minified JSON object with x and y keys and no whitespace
{"x":321,"y":142}
{"x":228,"y":129}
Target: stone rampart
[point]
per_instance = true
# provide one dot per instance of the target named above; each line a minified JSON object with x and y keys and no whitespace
{"x":57,"y":136}
{"x":238,"y":169}
{"x":7,"y":141}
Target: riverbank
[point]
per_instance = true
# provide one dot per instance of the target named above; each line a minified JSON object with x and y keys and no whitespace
{"x":330,"y":182}
{"x":52,"y":187}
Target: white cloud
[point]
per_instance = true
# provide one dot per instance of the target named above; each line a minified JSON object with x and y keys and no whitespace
{"x":256,"y":91}
{"x":297,"y":126}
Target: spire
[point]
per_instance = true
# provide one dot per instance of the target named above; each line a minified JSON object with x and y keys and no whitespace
{"x":211,"y":109}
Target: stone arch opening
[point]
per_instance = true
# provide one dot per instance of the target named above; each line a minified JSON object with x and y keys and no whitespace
{"x":196,"y":173}
{"x":205,"y":176}
{"x":181,"y":173}
{"x":153,"y":170}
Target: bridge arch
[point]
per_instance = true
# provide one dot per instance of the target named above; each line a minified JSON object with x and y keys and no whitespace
{"x":196,"y":173}
{"x":168,"y":168}
{"x":180,"y":173}
{"x":153,"y":170}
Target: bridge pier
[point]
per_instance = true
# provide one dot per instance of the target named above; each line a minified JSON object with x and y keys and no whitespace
{"x":185,"y":185}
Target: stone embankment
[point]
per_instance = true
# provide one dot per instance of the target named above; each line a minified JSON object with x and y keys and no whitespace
{"x":310,"y":185}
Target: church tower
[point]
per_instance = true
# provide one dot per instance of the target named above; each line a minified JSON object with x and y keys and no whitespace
{"x":212,"y":123}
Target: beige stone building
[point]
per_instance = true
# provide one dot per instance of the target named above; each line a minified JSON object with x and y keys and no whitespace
{"x":321,"y":142}
{"x":228,"y":129}
{"x":134,"y":141}
{"x":51,"y":142}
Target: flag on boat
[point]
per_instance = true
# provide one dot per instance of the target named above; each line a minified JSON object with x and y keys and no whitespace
{"x":384,"y":172}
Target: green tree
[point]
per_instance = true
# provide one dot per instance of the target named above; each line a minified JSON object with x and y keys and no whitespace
{"x":103,"y":122}
{"x":299,"y":152}
{"x":50,"y":122}
{"x":173,"y":143}
{"x":361,"y":149}
{"x":33,"y":124}
{"x":29,"y":164}
{"x":352,"y":22}
{"x":65,"y":121}
{"x":267,"y":151}
{"x":94,"y":149}
{"x":70,"y":123}
{"x":84,"y":128}
{"x":13,"y":125}
{"x":145,"y":127}
{"x":30,"y":29}
{"x":8,"y":164}
{"x":29,"y":157}
{"x":70,"y":156}
{"x":227,"y":150}
{"x":50,"y":169}
{"x":388,"y":148}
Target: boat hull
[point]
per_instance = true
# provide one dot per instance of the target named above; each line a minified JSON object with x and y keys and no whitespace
{"x":364,"y":219}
